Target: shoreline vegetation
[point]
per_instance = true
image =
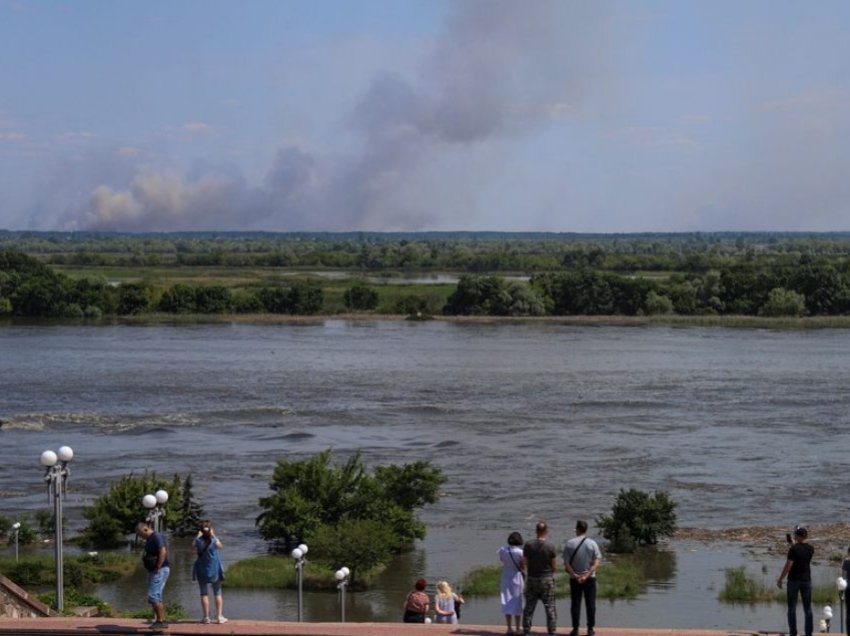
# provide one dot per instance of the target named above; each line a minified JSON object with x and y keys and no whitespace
{"x":784,"y":323}
{"x":761,"y":280}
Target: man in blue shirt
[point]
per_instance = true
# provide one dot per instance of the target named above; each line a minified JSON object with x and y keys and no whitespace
{"x":581,"y":560}
{"x":155,"y":558}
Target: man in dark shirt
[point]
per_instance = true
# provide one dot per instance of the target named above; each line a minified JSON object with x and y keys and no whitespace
{"x":538,"y":560}
{"x":798,"y":570}
{"x":156,"y":563}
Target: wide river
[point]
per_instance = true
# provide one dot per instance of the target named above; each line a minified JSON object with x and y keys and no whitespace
{"x":528,"y":421}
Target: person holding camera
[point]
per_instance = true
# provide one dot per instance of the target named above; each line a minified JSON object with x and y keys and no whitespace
{"x":798,"y":570}
{"x":208,"y":571}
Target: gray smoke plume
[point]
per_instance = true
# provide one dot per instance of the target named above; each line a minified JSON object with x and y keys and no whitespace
{"x":499,"y":69}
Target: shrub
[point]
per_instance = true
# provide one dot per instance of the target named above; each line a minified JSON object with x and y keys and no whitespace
{"x":360,"y":296}
{"x":638,"y":518}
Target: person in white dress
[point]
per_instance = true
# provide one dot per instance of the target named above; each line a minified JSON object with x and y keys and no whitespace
{"x":513,"y":581}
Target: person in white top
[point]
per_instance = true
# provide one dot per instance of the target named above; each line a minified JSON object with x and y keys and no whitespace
{"x":512,"y":582}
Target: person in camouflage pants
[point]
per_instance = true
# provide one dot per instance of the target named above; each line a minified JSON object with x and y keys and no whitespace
{"x":538,"y":560}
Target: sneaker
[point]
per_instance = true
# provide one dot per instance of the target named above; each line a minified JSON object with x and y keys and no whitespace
{"x":205,"y":620}
{"x":221,"y":620}
{"x":591,"y":632}
{"x":574,"y":632}
{"x":159,"y":625}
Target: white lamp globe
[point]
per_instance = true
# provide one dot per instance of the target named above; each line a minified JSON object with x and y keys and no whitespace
{"x":149,"y":501}
{"x":65,"y":453}
{"x":297,"y":553}
{"x":339,"y":575}
{"x":427,"y":620}
{"x":827,"y":612}
{"x":345,"y":570}
{"x":841,"y":583}
{"x":161,"y":496}
{"x":48,"y":458}
{"x":303,"y":548}
{"x":16,"y":525}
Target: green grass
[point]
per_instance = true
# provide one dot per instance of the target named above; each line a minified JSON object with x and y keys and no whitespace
{"x":73,"y":598}
{"x":741,"y":587}
{"x":619,"y":579}
{"x":482,"y":581}
{"x":275,"y":572}
{"x":80,"y":570}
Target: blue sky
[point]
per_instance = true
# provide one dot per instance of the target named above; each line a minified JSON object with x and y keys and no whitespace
{"x":539,"y":115}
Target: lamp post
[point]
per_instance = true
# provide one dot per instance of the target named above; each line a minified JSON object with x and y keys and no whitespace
{"x":17,"y":528}
{"x":56,"y":477}
{"x":298,"y":554}
{"x":827,"y":617}
{"x":342,"y":576}
{"x":156,"y":505}
{"x":841,"y":586}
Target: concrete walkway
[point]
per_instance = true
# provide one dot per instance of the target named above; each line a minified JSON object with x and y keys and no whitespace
{"x":101,"y":626}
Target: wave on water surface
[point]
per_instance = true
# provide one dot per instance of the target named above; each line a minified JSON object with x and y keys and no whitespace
{"x":120,"y":424}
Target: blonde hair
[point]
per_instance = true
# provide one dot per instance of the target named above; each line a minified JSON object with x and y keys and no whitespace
{"x":444,"y":589}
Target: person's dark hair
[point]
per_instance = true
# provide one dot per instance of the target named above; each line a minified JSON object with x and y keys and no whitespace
{"x":581,"y":526}
{"x":800,"y":531}
{"x":420,"y":585}
{"x":541,"y":528}
{"x":515,"y":538}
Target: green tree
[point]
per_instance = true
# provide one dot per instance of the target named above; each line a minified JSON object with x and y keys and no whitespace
{"x":358,"y":544}
{"x":178,"y":299}
{"x":114,"y":515}
{"x":191,"y":512}
{"x":638,"y":518}
{"x":133,"y":298}
{"x":784,"y":302}
{"x":312,"y":493}
{"x":361,"y":297}
{"x":658,"y":304}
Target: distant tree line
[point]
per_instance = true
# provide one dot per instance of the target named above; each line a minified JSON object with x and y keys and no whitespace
{"x":470,"y":252}
{"x":30,"y":288}
{"x":806,"y":285}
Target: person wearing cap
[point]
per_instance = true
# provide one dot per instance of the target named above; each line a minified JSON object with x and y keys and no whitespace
{"x":538,"y":560}
{"x":798,"y":570}
{"x":208,"y":571}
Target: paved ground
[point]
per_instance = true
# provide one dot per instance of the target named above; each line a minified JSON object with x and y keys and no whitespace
{"x":103,"y":626}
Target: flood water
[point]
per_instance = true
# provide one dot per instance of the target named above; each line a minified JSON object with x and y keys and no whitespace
{"x":528,"y":421}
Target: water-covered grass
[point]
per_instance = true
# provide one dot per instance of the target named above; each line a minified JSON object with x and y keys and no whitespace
{"x":741,"y":587}
{"x":274,"y":572}
{"x":620,"y":579}
{"x":80,"y":570}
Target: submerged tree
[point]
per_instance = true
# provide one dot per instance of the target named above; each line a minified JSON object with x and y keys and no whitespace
{"x":113,"y":516}
{"x":638,"y":518}
{"x":312,"y":497}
